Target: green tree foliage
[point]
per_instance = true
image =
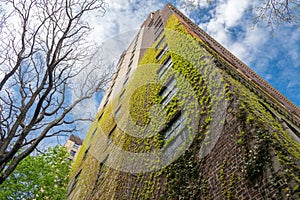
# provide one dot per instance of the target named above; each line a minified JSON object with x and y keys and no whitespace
{"x":44,"y":176}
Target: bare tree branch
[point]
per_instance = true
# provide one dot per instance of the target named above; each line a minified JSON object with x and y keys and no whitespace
{"x":43,"y":61}
{"x":277,"y":12}
{"x":272,"y":12}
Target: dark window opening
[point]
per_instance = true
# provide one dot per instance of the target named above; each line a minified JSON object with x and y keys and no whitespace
{"x":75,"y":181}
{"x":72,"y":153}
{"x":168,"y":91}
{"x":94,"y":131}
{"x":101,"y":171}
{"x":160,"y":42}
{"x":165,"y":67}
{"x":122,"y":95}
{"x":150,"y":23}
{"x":177,"y":142}
{"x":130,"y":63}
{"x":132,"y":56}
{"x":76,"y":146}
{"x":86,"y":153}
{"x":158,"y":34}
{"x":157,"y":29}
{"x":175,"y":126}
{"x":113,"y":83}
{"x":105,"y":103}
{"x":126,"y":80}
{"x":108,"y":95}
{"x":128,"y":71}
{"x":158,"y":23}
{"x":162,"y":53}
{"x":118,"y":111}
{"x":292,"y":128}
{"x":100,"y":116}
{"x":111,"y":134}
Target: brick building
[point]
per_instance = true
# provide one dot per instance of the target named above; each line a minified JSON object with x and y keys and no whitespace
{"x":73,"y":145}
{"x":183,"y":118}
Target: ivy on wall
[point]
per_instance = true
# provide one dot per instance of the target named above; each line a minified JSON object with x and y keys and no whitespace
{"x":270,"y":154}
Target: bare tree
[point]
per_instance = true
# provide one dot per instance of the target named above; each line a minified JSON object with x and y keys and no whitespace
{"x":47,"y":69}
{"x":273,"y":12}
{"x":3,"y":18}
{"x":277,"y":12}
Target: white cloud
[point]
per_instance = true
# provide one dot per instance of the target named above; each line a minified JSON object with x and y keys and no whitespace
{"x":201,"y":3}
{"x":274,"y":58}
{"x":121,"y":22}
{"x":121,"y":17}
{"x":230,"y":24}
{"x":232,"y":11}
{"x":114,"y":32}
{"x":228,"y":15}
{"x":291,"y":41}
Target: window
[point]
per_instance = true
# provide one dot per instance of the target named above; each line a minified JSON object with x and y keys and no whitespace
{"x":162,"y":52}
{"x":101,"y":171}
{"x":100,"y":116}
{"x":176,"y":143}
{"x":176,"y":126}
{"x":72,"y":153}
{"x":169,"y":91}
{"x":130,"y":63}
{"x":168,"y":87}
{"x":75,"y":181}
{"x":105,"y":103}
{"x":110,"y":137}
{"x":158,"y":23}
{"x":164,"y":67}
{"x":160,"y":42}
{"x":169,"y":97}
{"x":113,"y":83}
{"x":95,"y":130}
{"x":157,"y":35}
{"x":136,"y":39}
{"x":289,"y":126}
{"x":111,"y":134}
{"x":76,"y":146}
{"x":150,"y":23}
{"x":131,"y":58}
{"x":85,"y":153}
{"x":108,"y":95}
{"x":122,"y":95}
{"x":118,"y":111}
{"x":126,"y":80}
{"x":134,"y":48}
{"x":128,"y":71}
{"x":158,"y":28}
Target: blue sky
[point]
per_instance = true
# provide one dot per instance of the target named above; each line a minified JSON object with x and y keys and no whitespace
{"x":275,"y":58}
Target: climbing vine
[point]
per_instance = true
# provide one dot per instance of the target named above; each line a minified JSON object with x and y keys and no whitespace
{"x":203,"y":87}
